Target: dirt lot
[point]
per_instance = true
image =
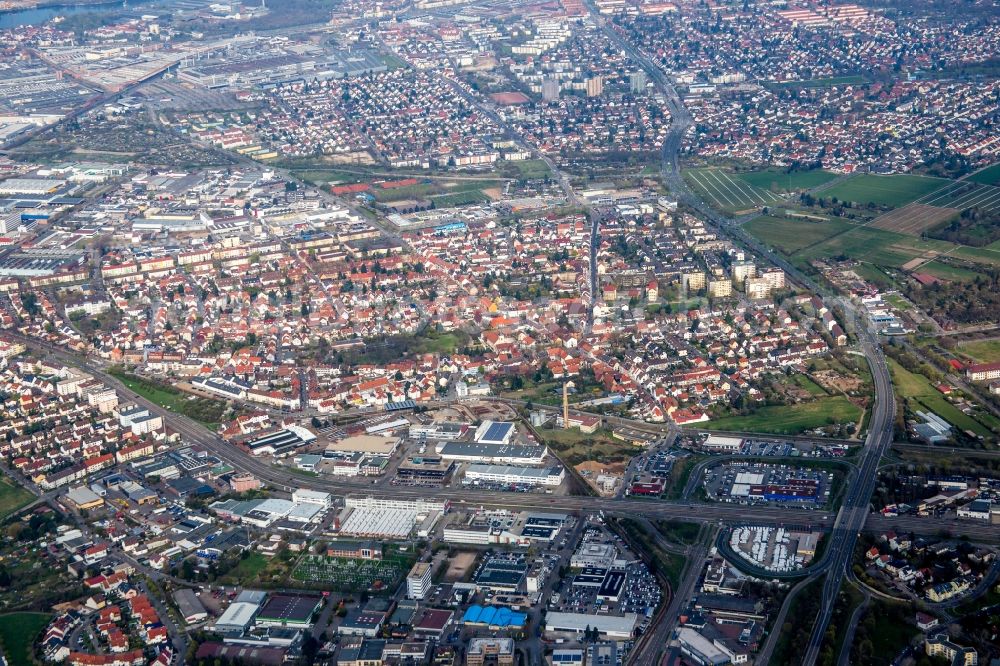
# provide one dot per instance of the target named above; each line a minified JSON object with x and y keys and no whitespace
{"x":834,"y":381}
{"x":460,"y":566}
{"x":591,"y":469}
{"x":489,"y":410}
{"x":913,"y":219}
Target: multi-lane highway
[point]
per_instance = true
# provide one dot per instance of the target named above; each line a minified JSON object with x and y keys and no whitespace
{"x":853,"y":513}
{"x":846,"y":525}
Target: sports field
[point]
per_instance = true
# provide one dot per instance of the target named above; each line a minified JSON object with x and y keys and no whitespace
{"x":727,"y":193}
{"x":914,"y":218}
{"x":988,"y":176}
{"x":896,"y":190}
{"x":776,"y":180}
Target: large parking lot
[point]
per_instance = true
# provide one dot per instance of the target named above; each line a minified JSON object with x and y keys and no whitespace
{"x":581,"y":593}
{"x":784,"y":449}
{"x":641,"y":593}
{"x":766,"y":448}
{"x":765,"y":483}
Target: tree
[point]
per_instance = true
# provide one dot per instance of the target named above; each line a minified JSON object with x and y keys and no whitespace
{"x":187,"y":570}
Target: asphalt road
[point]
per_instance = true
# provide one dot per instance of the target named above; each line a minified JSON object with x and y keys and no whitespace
{"x":852,"y":625}
{"x":853,"y":513}
{"x":283,"y":479}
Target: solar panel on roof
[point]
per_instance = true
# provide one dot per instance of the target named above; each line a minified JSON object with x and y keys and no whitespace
{"x":497,"y":432}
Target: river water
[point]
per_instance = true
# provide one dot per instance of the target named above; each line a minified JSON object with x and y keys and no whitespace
{"x":39,"y":15}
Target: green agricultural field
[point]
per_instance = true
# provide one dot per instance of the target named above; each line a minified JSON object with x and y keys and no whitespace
{"x":809,"y":239}
{"x":724,"y":192}
{"x":877,"y":246}
{"x":790,"y":234}
{"x":12,"y":497}
{"x":980,"y":255}
{"x":963,"y":194}
{"x":792,"y":419}
{"x":988,"y":176}
{"x":776,"y":180}
{"x":895,"y":191}
{"x":18,"y":632}
{"x":984,"y":351}
{"x":948,"y":272}
{"x":919,"y":389}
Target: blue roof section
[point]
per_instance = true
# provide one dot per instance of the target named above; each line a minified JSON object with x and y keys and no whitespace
{"x":398,"y":406}
{"x":494,"y":616}
{"x":497,"y":431}
{"x":452,"y":226}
